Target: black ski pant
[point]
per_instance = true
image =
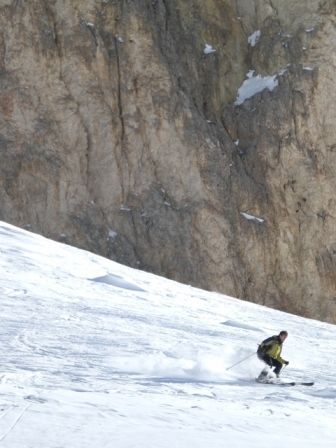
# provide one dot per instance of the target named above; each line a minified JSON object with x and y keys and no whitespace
{"x":272,"y":363}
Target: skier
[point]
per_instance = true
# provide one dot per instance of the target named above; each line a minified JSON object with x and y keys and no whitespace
{"x":269,"y":351}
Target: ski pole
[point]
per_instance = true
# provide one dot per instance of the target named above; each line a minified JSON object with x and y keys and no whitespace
{"x":240,"y":361}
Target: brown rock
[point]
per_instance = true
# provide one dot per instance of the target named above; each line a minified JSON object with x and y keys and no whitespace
{"x":117,"y":135}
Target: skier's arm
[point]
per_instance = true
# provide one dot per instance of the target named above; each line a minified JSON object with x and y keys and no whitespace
{"x":278,"y":358}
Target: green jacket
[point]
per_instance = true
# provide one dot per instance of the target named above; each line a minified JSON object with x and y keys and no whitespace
{"x":272,"y":347}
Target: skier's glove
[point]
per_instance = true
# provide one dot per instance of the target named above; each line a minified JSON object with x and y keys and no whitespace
{"x":286,"y":362}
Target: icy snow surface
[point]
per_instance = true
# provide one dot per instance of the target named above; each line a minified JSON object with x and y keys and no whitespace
{"x":255,"y":84}
{"x":94,"y":364}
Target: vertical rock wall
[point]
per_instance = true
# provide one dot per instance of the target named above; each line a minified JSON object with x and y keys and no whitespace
{"x":120,"y":135}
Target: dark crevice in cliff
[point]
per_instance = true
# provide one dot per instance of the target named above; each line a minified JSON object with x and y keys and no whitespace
{"x":166,"y":15}
{"x":17,"y":5}
{"x":273,"y":7}
{"x":92,"y":31}
{"x":53,"y":26}
{"x":119,"y":89}
{"x":238,"y":12}
{"x":123,"y":152}
{"x":59,"y":47}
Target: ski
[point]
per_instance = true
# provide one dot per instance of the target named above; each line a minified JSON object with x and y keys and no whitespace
{"x":286,"y":383}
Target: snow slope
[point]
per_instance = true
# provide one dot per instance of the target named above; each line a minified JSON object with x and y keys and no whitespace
{"x":94,"y":354}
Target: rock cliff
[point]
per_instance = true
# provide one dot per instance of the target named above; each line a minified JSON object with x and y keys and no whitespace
{"x":193,"y":139}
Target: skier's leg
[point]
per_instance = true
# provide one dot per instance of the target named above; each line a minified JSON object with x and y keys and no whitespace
{"x":265,"y":371}
{"x":278,"y":367}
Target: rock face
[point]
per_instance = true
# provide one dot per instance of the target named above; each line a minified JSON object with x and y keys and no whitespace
{"x":121,"y":135}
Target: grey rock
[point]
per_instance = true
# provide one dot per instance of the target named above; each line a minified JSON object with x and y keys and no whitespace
{"x":113,"y":121}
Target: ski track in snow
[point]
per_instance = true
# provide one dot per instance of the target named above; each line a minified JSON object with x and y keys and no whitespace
{"x":140,"y":361}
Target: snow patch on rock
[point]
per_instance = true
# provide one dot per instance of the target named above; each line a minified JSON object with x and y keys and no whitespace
{"x":255,"y":84}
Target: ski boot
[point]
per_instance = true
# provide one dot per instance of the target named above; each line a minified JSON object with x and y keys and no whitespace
{"x":262,"y":378}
